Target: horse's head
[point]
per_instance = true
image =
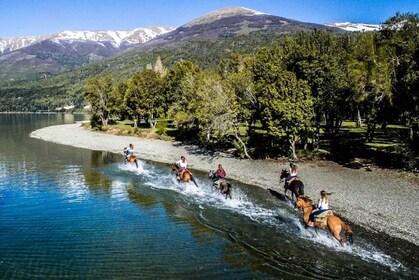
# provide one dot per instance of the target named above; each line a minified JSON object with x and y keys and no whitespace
{"x":284,"y":173}
{"x":211,"y":174}
{"x":303,"y":202}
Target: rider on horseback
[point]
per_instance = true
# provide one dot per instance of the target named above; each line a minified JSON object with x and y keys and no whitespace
{"x":182,"y":166}
{"x":220,"y":173}
{"x":128,"y":151}
{"x":218,"y":176}
{"x":292,"y":174}
{"x":322,"y":206}
{"x":129,"y":155}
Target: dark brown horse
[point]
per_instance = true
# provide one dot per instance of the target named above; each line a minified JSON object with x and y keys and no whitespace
{"x":330,"y":221}
{"x":296,"y":186}
{"x":185,"y":176}
{"x":223,"y":185}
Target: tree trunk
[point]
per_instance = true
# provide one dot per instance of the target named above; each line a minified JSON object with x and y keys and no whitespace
{"x":292,"y":147}
{"x":152,"y":121}
{"x":358,"y":118}
{"x":370,"y":131}
{"x":242,"y":143}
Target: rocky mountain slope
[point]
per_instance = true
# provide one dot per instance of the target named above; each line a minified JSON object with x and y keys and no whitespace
{"x":26,"y":57}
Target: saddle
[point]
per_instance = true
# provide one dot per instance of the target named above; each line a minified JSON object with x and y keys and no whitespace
{"x":217,"y":183}
{"x":322,"y":217}
{"x":291,"y":180}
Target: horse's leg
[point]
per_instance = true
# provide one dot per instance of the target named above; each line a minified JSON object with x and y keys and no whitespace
{"x":136,"y":163}
{"x":335,"y":229}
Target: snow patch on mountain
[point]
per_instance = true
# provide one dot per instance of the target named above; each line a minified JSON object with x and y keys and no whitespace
{"x":223,"y":13}
{"x":358,"y":27}
{"x":117,"y":38}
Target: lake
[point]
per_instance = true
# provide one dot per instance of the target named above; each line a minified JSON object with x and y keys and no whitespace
{"x":73,"y":213}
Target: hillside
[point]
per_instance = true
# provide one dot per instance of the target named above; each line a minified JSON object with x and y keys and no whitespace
{"x":35,"y":57}
{"x":204,"y":40}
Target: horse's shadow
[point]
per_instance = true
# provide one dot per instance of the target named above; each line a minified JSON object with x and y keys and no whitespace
{"x":279,"y":195}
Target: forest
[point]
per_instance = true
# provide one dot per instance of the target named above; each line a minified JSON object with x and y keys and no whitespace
{"x":290,"y":99}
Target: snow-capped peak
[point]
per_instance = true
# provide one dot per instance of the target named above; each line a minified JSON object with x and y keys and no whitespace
{"x":360,"y":27}
{"x":118,"y":37}
{"x":223,"y":13}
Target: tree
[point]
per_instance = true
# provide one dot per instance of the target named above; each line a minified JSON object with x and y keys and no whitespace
{"x":144,"y":96}
{"x":117,"y":104}
{"x":98,"y":92}
{"x":370,"y":73}
{"x":285,"y":103}
{"x":179,"y":89}
{"x":320,"y":59}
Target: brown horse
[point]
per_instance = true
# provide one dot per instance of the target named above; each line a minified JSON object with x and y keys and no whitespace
{"x":186,"y":175}
{"x":132,"y":159}
{"x":296,"y":186}
{"x":334,"y":224}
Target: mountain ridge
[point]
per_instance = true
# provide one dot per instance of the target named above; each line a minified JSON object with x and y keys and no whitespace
{"x":118,"y":37}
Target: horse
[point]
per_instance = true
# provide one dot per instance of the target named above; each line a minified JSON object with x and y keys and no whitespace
{"x":132,"y":159}
{"x":223,"y":185}
{"x":296,"y":186}
{"x":186,"y":175}
{"x":328,"y":220}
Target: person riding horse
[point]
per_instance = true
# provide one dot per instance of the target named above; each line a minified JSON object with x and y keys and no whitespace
{"x":182,"y":172}
{"x":325,"y":220}
{"x":129,"y":155}
{"x":219,"y":182}
{"x":322,"y":206}
{"x":182,"y":167}
{"x":292,"y":174}
{"x":292,"y":182}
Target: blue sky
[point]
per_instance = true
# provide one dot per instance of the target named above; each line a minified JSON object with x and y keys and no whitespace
{"x":39,"y":17}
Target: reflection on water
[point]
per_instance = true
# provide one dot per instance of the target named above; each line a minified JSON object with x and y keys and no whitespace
{"x":67,"y":212}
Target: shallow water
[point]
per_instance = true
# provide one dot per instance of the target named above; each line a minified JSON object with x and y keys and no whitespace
{"x":69,"y":212}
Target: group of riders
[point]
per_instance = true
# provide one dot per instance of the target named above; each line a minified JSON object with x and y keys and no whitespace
{"x":322,"y":205}
{"x":319,"y":212}
{"x":182,"y":166}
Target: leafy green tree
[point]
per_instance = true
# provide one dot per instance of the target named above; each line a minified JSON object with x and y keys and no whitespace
{"x":285,"y":102}
{"x":176,"y":86}
{"x":118,"y":106}
{"x":144,"y":96}
{"x":320,"y":59}
{"x":371,"y":75}
{"x":98,"y":92}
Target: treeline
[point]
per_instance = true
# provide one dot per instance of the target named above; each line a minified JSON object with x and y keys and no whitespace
{"x":283,"y":95}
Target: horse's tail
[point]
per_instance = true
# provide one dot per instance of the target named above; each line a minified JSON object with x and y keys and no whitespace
{"x":193,"y":179}
{"x":348,"y":232}
{"x":228,"y":191}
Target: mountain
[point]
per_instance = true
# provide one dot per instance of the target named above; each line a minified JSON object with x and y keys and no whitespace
{"x":236,"y":21}
{"x":359,"y":27}
{"x":26,"y":57}
{"x":116,"y":38}
{"x":205,"y":41}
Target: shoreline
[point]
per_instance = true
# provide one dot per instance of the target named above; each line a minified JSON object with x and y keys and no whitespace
{"x":379,"y":200}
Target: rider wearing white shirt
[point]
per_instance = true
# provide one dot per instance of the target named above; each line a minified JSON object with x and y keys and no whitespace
{"x":323,"y":205}
{"x":182,"y":165}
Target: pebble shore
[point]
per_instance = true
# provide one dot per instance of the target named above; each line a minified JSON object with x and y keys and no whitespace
{"x":381,"y":200}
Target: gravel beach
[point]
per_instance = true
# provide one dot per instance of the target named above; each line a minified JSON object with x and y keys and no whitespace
{"x":381,"y":200}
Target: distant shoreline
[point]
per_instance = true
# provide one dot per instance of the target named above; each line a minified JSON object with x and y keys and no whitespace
{"x":376,"y":200}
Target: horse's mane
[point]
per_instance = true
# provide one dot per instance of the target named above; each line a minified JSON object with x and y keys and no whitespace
{"x":306,"y":199}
